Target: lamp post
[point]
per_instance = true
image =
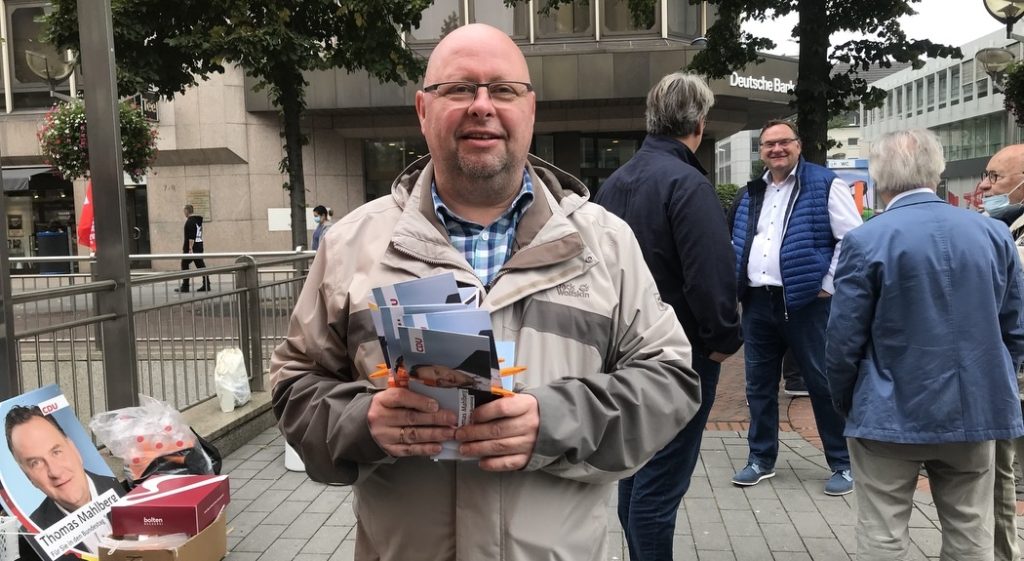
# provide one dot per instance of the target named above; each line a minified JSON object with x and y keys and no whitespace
{"x":1007,"y":12}
{"x":995,"y":61}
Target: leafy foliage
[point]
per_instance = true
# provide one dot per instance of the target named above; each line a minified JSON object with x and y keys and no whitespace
{"x":65,"y":144}
{"x":727,"y":194}
{"x":163,"y":46}
{"x":1013,"y":92}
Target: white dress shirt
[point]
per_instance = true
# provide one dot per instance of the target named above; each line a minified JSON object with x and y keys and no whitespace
{"x":763,"y":267}
{"x":910,"y":192}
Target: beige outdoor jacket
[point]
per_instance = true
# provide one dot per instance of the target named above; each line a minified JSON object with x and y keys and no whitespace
{"x":607,"y":361}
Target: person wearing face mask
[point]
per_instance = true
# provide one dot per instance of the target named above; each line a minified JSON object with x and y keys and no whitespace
{"x":322,"y":219}
{"x":1003,"y":199}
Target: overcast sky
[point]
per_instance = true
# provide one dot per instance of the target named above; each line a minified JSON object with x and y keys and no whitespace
{"x":953,"y":22}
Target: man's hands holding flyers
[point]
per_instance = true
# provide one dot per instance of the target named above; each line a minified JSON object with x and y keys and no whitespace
{"x":502,"y":433}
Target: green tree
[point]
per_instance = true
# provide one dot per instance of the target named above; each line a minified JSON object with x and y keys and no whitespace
{"x":165,"y":46}
{"x":1013,"y":92}
{"x":819,"y":92}
{"x":726,"y":194}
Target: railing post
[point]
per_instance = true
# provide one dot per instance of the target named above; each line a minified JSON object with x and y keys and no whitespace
{"x":120,"y":362}
{"x":10,"y":381}
{"x":251,"y":330}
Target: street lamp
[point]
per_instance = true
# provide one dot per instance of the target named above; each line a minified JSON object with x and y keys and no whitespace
{"x":995,"y":61}
{"x":53,"y":67}
{"x":1007,"y":12}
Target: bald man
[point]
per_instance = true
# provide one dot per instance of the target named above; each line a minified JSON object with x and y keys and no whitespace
{"x":1002,"y":191}
{"x":608,"y":380}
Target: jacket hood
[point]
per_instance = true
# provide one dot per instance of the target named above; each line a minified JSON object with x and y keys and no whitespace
{"x":569,"y":192}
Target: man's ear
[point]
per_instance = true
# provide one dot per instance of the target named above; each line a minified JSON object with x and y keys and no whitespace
{"x":421,"y":109}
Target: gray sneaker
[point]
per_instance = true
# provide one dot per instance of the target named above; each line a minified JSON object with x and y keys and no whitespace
{"x":841,"y":483}
{"x":752,"y":475}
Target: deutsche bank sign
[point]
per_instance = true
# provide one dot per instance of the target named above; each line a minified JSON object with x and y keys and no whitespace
{"x":762,"y":84}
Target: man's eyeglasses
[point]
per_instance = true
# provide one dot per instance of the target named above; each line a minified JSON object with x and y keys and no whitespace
{"x":465,"y":92}
{"x":992,"y":176}
{"x":769,"y":144}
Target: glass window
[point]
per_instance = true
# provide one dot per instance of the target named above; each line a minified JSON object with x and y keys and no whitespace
{"x":910,"y":100}
{"x":968,"y":92}
{"x":889,"y":102}
{"x":919,"y":97}
{"x":513,"y":21}
{"x":755,"y":145}
{"x":566,"y":20}
{"x":996,"y":132}
{"x":617,"y":18}
{"x":954,"y":85}
{"x":982,"y":87}
{"x":943,"y":86}
{"x":544,"y":147}
{"x":899,"y":102}
{"x":930,"y":91}
{"x":684,"y":19}
{"x":852,"y":141}
{"x":440,"y":19}
{"x":385,"y":159}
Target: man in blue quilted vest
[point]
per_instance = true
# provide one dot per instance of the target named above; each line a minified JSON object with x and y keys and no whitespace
{"x":787,"y":233}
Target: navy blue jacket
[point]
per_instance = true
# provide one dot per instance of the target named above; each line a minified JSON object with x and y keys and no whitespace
{"x":808,"y":243}
{"x":927,"y":326}
{"x":663,"y":194}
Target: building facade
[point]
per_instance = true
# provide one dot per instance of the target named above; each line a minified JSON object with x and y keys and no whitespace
{"x":220,"y":142}
{"x":957,"y":100}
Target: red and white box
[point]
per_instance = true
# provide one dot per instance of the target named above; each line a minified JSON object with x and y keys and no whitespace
{"x":170,"y":504}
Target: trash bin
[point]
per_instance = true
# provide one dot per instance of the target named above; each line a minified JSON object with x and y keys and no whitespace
{"x":53,"y":244}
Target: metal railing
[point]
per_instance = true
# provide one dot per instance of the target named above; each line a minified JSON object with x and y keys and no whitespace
{"x":177,"y":335}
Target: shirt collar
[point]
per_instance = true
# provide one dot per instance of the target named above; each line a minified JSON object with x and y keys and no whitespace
{"x":792,"y":174}
{"x":519,"y":205}
{"x":905,"y":193}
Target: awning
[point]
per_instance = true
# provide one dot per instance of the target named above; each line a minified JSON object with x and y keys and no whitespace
{"x":17,"y":179}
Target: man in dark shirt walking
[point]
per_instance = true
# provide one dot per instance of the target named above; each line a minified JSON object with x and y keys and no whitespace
{"x":193,"y":244}
{"x":663,"y":194}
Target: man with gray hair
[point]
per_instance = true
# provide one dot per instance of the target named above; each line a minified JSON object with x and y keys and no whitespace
{"x":924,"y":339}
{"x":663,"y":194}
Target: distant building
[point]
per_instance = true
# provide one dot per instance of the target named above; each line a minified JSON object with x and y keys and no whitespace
{"x":957,"y":100}
{"x":220,"y":143}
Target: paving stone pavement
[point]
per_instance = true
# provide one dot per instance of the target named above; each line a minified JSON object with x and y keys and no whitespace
{"x":276,"y":514}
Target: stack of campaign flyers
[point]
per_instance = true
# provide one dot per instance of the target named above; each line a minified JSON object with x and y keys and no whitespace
{"x":438,"y":343}
{"x":53,"y":479}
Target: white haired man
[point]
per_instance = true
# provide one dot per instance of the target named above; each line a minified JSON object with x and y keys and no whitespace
{"x":924,"y":370}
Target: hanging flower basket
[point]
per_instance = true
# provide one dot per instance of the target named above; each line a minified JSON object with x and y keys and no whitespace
{"x":65,"y":146}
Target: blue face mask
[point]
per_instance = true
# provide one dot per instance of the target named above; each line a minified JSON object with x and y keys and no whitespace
{"x":316,"y":219}
{"x":996,"y":202}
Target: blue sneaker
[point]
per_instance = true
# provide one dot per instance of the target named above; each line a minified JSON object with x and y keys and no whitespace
{"x":841,"y":483}
{"x":752,"y":475}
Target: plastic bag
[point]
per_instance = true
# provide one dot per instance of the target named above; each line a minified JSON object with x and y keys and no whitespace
{"x":231,"y":379}
{"x":151,"y":438}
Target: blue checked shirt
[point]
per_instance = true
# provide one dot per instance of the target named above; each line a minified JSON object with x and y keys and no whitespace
{"x":485,"y":249}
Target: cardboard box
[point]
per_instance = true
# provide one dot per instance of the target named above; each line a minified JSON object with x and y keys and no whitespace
{"x":170,"y":504}
{"x":210,"y":545}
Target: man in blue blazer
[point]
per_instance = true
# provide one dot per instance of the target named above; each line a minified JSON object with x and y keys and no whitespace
{"x":923,"y":342}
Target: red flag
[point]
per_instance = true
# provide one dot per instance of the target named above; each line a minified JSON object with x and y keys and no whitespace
{"x":86,"y":222}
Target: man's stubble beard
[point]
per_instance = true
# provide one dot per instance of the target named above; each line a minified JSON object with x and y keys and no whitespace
{"x":486,"y":181}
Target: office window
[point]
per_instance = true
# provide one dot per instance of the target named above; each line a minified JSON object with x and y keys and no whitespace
{"x":513,"y":21}
{"x":930,"y":92}
{"x":684,"y":19}
{"x":889,"y":101}
{"x":919,"y":95}
{"x":954,"y":85}
{"x":981,"y":86}
{"x":967,"y":77}
{"x":440,"y":19}
{"x":567,"y":20}
{"x":899,"y":102}
{"x":910,"y":100}
{"x":383,"y":160}
{"x":943,"y":86}
{"x":853,"y":141}
{"x":617,"y":18}
{"x":755,"y":145}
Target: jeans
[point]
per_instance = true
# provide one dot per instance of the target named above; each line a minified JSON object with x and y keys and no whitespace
{"x":767,"y":335}
{"x":649,"y":499}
